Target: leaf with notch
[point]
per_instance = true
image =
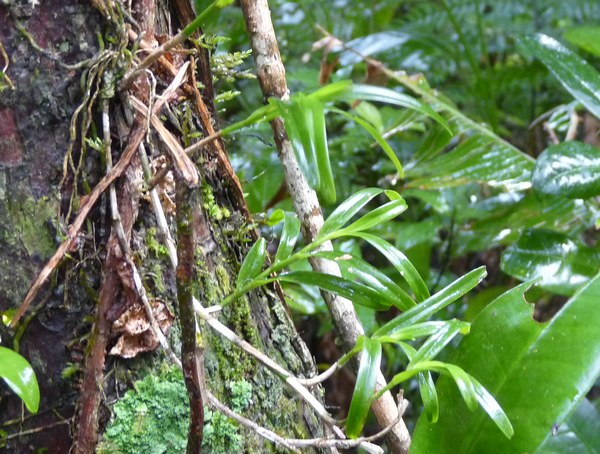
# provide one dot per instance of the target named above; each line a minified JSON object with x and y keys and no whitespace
{"x":366,"y":379}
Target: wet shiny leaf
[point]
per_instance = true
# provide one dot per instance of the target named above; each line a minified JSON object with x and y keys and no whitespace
{"x":357,"y":269}
{"x":370,"y":359}
{"x":537,"y":373}
{"x":574,"y":73}
{"x":253,"y":262}
{"x":20,"y":377}
{"x":400,"y":262}
{"x":289,"y":236}
{"x":354,"y":291}
{"x":562,"y":265}
{"x":569,"y":169}
{"x":435,"y":303}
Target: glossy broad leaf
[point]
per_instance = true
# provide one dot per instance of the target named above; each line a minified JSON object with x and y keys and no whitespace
{"x":354,"y":291}
{"x":289,"y":236}
{"x":20,"y":377}
{"x":366,"y":379}
{"x":569,"y":169}
{"x":253,"y":262}
{"x":479,"y":159}
{"x":400,"y":262}
{"x":435,"y":303}
{"x":562,"y":265}
{"x":358,"y":269}
{"x":574,"y":73}
{"x":538,"y":373}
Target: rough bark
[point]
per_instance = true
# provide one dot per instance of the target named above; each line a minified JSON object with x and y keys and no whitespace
{"x":34,"y":136}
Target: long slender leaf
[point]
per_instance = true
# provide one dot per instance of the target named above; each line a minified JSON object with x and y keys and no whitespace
{"x":253,"y":262}
{"x":385,"y":146}
{"x":436,"y":343}
{"x":434,"y":303}
{"x":376,"y":217}
{"x":20,"y":377}
{"x":574,"y":73}
{"x":354,"y":291}
{"x":368,"y":274}
{"x":412,"y":332}
{"x":400,"y":262}
{"x":289,"y":236}
{"x":327,"y":188}
{"x":388,"y":96}
{"x":366,"y":379}
{"x":347,"y":209}
{"x":429,"y":396}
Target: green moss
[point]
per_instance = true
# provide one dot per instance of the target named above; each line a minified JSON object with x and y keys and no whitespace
{"x":155,"y":246}
{"x":210,"y":205}
{"x":28,"y":220}
{"x":153,"y":418}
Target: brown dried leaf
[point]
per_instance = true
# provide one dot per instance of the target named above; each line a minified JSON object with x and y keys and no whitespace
{"x":136,"y":335}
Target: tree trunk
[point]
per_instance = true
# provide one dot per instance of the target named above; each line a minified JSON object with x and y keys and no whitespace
{"x":47,"y":173}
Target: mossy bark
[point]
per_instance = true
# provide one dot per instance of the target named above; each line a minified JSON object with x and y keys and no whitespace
{"x":34,"y":137}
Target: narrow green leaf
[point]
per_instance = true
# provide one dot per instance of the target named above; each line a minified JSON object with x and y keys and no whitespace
{"x":20,"y":377}
{"x":574,"y":73}
{"x":354,"y":291}
{"x":436,"y":343}
{"x":538,"y":373}
{"x":385,"y":95}
{"x":376,"y":217}
{"x":331,"y":92}
{"x":359,"y":269}
{"x":435,"y":303}
{"x":569,"y":169}
{"x":400,"y":262}
{"x":465,"y":385}
{"x":385,"y":146}
{"x":366,"y":379}
{"x":493,"y":409}
{"x":347,"y":209}
{"x":289,"y":236}
{"x":276,"y":217}
{"x":327,"y":188}
{"x":253,"y":262}
{"x":412,"y":332}
{"x":429,"y":396}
